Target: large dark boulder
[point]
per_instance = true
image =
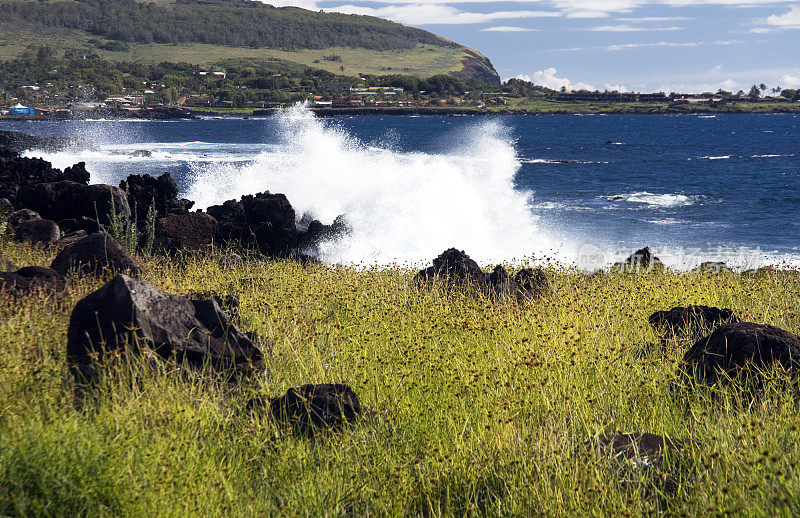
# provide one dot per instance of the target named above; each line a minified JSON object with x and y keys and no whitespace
{"x":31,"y":279}
{"x":129,"y":315}
{"x":74,"y":205}
{"x":144,"y":191}
{"x":38,"y":232}
{"x":17,"y":172}
{"x":320,"y":407}
{"x":639,"y":260}
{"x":690,"y":321}
{"x":190,"y":231}
{"x":97,"y":253}
{"x":742,"y":347}
{"x":264,"y":221}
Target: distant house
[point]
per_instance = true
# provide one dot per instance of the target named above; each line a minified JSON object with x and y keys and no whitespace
{"x":714,"y":101}
{"x":19,"y":109}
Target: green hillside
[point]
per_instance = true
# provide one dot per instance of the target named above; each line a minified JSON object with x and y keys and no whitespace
{"x":202,"y":31}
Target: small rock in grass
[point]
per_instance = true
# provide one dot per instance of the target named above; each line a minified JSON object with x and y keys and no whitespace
{"x":316,"y":407}
{"x":30,"y":279}
{"x":38,"y":232}
{"x":96,"y":253}
{"x":643,"y":446}
{"x":6,"y":207}
{"x":6,"y":265}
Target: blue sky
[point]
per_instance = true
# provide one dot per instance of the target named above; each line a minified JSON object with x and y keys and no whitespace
{"x":638,"y":45}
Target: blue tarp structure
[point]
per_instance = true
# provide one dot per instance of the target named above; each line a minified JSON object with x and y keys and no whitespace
{"x":22,"y":110}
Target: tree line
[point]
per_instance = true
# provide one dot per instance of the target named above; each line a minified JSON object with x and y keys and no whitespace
{"x":236,"y":23}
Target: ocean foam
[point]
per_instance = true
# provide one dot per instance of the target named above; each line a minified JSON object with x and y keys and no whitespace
{"x":655,"y":200}
{"x":402,"y":207}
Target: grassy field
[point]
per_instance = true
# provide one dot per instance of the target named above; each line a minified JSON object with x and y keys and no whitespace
{"x":423,"y":60}
{"x":480,"y":408}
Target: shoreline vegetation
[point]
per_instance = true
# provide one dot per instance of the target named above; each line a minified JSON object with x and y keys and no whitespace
{"x":551,"y":108}
{"x":356,"y":390}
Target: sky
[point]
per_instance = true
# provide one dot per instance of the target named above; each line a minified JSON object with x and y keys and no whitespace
{"x":626,"y":45}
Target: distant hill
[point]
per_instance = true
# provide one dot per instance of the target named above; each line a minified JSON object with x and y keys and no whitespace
{"x":139,"y":31}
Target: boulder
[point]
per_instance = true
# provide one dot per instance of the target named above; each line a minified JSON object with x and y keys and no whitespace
{"x":19,"y":216}
{"x":74,"y":205}
{"x":96,"y":253}
{"x":72,"y":237}
{"x":190,"y":231}
{"x":639,"y":260}
{"x":265,"y":221}
{"x":454,"y":268}
{"x":713,"y":267}
{"x":6,"y":208}
{"x":17,"y":172}
{"x":690,"y":321}
{"x":17,"y":142}
{"x":638,"y":445}
{"x":162,"y":193}
{"x":533,"y":282}
{"x":37,"y":231}
{"x":31,"y":279}
{"x":129,"y":315}
{"x":6,"y":265}
{"x":320,"y":407}
{"x":742,"y":347}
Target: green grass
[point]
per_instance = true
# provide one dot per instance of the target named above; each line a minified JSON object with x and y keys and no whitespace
{"x":480,"y":407}
{"x":422,"y":60}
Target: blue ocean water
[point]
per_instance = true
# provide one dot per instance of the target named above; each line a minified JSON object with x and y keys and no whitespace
{"x":724,"y":187}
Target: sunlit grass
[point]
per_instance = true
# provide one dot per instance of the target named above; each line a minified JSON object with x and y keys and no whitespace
{"x":479,"y":407}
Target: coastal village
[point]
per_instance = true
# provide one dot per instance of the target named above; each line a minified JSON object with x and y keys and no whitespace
{"x":44,"y":101}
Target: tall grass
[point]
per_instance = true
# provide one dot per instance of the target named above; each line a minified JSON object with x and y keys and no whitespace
{"x":479,"y":408}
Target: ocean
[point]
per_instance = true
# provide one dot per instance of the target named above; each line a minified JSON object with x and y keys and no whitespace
{"x":577,"y":190}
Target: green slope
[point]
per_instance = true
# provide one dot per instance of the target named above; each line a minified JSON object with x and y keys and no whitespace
{"x":197,"y":31}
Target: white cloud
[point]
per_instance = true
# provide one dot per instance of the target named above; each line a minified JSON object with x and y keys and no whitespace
{"x":790,"y":81}
{"x":790,"y":20}
{"x":646,"y":19}
{"x":430,"y":14}
{"x":629,"y":28}
{"x":715,"y":69}
{"x":506,"y":28}
{"x":616,"y":88}
{"x":630,"y":46}
{"x":549,"y":79}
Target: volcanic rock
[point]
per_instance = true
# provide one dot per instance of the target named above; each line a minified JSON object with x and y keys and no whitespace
{"x":37,"y":231}
{"x":6,"y":207}
{"x":190,"y":231}
{"x":533,"y":281}
{"x":454,"y":268}
{"x":31,"y":279}
{"x":17,"y":172}
{"x":324,"y":406}
{"x":96,"y":253}
{"x":691,"y":321}
{"x":130,"y":315}
{"x":20,"y":216}
{"x":74,"y":205}
{"x":638,"y":445}
{"x":6,"y":265}
{"x":639,"y":260}
{"x":144,"y":191}
{"x":742,"y":347}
